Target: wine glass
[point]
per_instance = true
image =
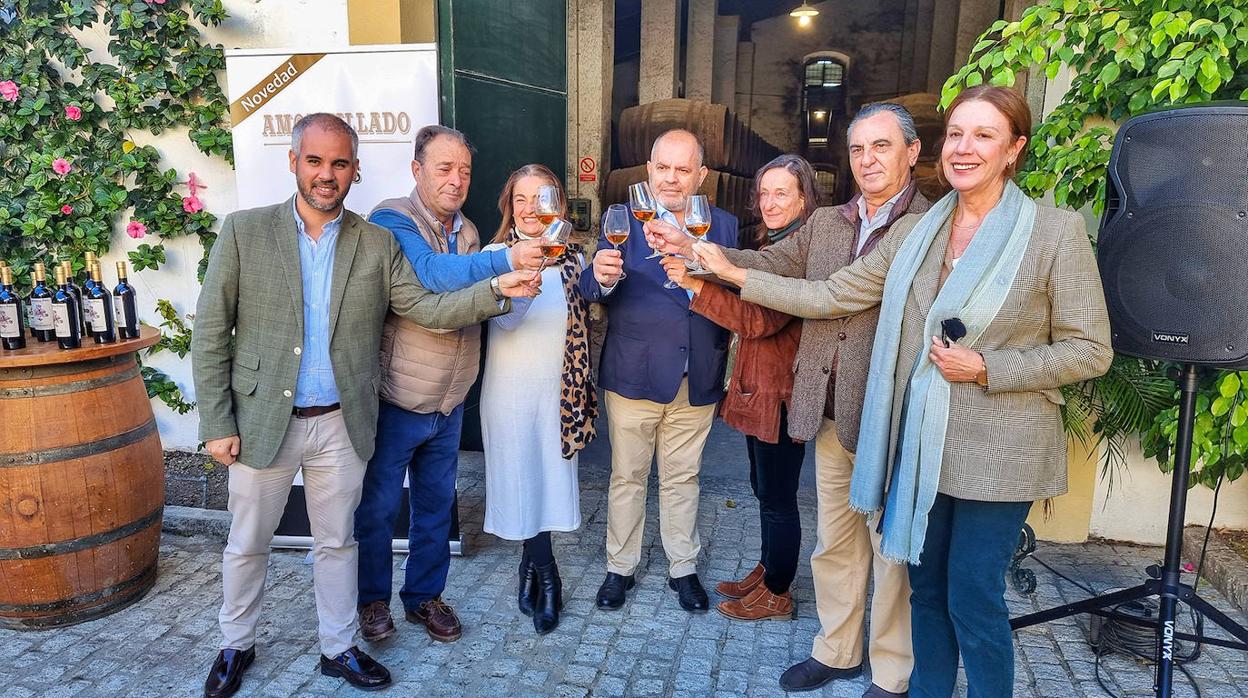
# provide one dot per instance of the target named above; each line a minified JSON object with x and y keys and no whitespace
{"x":548,"y":205}
{"x":697,"y":222}
{"x":615,"y":227}
{"x":641,"y":199}
{"x":554,"y":242}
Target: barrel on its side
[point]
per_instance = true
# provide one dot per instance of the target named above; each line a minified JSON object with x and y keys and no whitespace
{"x":81,"y":491}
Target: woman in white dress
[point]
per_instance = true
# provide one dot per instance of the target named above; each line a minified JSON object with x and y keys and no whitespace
{"x":537,"y":405}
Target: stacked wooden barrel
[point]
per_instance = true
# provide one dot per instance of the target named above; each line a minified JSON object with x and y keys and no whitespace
{"x":733,"y":151}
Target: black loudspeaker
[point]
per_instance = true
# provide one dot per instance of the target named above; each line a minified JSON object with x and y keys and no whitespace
{"x":1173,"y":245}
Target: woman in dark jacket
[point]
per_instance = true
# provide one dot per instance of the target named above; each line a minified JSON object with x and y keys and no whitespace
{"x":759,"y":391}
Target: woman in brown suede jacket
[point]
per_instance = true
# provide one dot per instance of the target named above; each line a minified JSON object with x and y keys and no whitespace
{"x":759,"y":391}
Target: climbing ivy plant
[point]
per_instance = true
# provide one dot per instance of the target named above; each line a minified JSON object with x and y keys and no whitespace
{"x":72,"y":122}
{"x":1125,"y":57}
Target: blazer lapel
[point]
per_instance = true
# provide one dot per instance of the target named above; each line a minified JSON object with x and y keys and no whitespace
{"x":344,"y":255}
{"x":287,"y":235}
{"x":927,"y":278}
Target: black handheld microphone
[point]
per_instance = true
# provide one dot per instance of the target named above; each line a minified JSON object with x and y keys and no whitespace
{"x":952,"y":330}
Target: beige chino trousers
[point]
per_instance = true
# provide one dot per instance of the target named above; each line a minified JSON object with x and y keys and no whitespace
{"x":846,"y":557}
{"x":333,"y":476}
{"x":678,"y":431}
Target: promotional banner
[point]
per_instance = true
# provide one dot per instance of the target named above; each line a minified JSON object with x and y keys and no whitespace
{"x":386,"y":93}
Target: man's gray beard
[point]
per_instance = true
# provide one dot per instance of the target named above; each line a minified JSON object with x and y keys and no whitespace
{"x":323,"y":208}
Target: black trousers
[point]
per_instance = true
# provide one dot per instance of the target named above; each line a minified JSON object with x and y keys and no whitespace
{"x":774,"y":473}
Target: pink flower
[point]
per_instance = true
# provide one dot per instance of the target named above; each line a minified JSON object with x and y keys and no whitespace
{"x":73,"y":113}
{"x":8,"y":90}
{"x":136,"y":229}
{"x":192,"y":204}
{"x":1189,"y":567}
{"x":67,"y":209}
{"x":61,"y":166}
{"x":155,"y":2}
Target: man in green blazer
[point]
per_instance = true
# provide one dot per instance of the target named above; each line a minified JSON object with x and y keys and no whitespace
{"x":287,"y":333}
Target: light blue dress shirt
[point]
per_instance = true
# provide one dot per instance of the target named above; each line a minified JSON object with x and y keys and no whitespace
{"x":315,"y":385}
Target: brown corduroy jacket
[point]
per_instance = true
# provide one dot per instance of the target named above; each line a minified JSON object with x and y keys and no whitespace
{"x":761,"y":378}
{"x":840,"y":347}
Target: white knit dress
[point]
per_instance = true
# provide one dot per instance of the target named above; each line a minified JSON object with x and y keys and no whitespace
{"x":529,"y":486}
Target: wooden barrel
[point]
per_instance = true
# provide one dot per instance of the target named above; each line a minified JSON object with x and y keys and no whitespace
{"x":640,"y":125}
{"x":82,"y":484}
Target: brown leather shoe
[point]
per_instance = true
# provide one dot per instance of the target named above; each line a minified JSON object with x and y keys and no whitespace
{"x":741,"y":589}
{"x":375,"y":621}
{"x":761,"y":604}
{"x":438,"y":618}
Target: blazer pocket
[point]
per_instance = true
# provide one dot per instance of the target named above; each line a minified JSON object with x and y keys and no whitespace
{"x":243,"y":383}
{"x":1054,"y":396}
{"x":247,"y":360}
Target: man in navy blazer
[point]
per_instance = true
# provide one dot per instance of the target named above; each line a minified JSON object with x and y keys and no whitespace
{"x":662,"y":368}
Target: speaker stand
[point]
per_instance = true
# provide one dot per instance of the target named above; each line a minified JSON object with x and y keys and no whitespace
{"x":1164,"y":582}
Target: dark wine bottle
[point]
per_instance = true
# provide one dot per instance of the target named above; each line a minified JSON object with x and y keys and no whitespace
{"x":100,"y":303}
{"x":66,"y":313}
{"x":125,"y":309}
{"x":12,"y":313}
{"x":42,"y":325}
{"x":83,"y":328}
{"x":89,"y":261}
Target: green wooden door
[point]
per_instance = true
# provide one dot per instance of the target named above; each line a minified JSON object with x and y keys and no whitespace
{"x":504,"y":84}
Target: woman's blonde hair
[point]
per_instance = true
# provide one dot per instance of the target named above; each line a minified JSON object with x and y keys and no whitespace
{"x":509,"y":189}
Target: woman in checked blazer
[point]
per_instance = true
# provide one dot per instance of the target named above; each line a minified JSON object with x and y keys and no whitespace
{"x":989,"y":305}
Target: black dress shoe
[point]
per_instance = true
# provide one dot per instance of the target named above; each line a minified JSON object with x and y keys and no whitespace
{"x":527,"y":592}
{"x":692,"y":595}
{"x":359,"y":670}
{"x":812,"y":674}
{"x":549,"y":598}
{"x":226,"y":675}
{"x":611,"y":593}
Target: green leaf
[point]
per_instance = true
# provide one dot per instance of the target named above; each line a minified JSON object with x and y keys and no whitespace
{"x":1229,"y":385}
{"x":1221,"y":406}
{"x":1240,"y":416}
{"x":1209,"y":67}
{"x":1110,"y":72}
{"x":974,"y":79}
{"x":1240,"y":435}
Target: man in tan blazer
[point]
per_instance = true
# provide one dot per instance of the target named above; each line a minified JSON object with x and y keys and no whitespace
{"x":830,"y":376}
{"x":284,"y":356}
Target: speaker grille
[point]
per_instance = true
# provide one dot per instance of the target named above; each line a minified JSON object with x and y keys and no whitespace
{"x":1173,"y":252}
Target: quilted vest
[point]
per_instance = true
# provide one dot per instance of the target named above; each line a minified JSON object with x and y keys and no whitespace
{"x":424,"y":370}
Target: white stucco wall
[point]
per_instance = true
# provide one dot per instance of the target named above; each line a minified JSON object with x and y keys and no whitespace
{"x":1137,"y":506}
{"x":296,"y":24}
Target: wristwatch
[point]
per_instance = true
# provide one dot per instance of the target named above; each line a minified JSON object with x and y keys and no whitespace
{"x":982,"y":377}
{"x":494,"y":286}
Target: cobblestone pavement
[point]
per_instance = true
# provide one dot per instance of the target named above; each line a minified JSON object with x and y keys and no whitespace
{"x":163,"y":645}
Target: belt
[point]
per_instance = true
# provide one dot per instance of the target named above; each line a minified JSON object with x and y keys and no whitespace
{"x":316,"y":411}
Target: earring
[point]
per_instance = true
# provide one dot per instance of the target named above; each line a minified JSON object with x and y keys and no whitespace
{"x":359,"y":177}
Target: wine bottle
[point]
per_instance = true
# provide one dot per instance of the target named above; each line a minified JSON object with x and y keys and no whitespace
{"x":125,"y":309}
{"x":90,"y":261}
{"x":12,"y":313}
{"x":42,"y":325}
{"x":66,"y":313}
{"x":100,"y":303}
{"x":68,"y":266}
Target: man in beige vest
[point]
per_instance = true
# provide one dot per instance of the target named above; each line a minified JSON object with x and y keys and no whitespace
{"x":829,"y":383}
{"x":425,"y":376}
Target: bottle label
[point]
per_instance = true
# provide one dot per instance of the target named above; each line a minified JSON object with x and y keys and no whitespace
{"x":95,"y":314}
{"x":41,"y":313}
{"x":119,"y":311}
{"x":88,"y":312}
{"x":10,"y":324}
{"x":60,"y":319}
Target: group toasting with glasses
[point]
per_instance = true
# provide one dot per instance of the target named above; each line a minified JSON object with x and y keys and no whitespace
{"x":920,"y":345}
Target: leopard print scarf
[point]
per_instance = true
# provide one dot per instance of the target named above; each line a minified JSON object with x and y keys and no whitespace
{"x":578,"y":398}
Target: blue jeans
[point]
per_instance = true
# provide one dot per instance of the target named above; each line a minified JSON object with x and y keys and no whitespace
{"x":425,"y":447}
{"x":957,"y":598}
